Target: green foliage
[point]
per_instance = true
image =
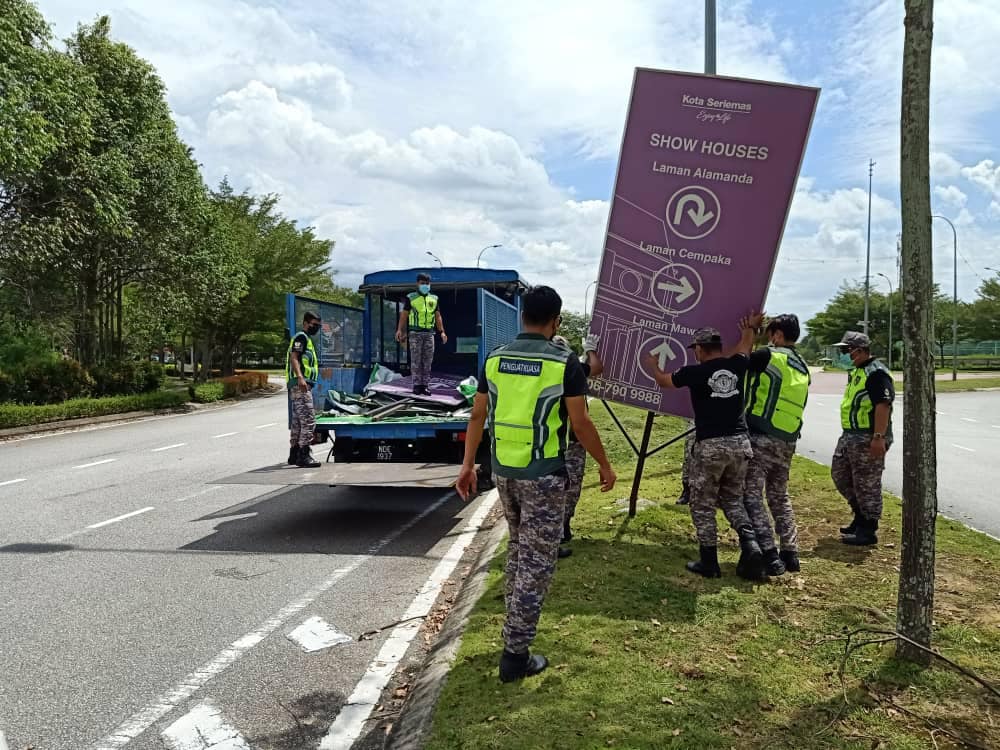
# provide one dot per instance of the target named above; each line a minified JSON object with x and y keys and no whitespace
{"x":206,"y":393}
{"x":244,"y":382}
{"x":46,"y":381}
{"x":18,"y":415}
{"x":574,"y":327}
{"x":126,"y":377}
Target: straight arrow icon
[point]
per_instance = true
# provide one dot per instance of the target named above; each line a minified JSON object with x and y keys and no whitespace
{"x":683,"y":289}
{"x":663,"y":352}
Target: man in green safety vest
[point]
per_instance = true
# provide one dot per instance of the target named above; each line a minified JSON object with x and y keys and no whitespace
{"x":534,"y":392}
{"x":301,"y":373}
{"x":859,"y":459}
{"x":420,"y":316}
{"x":775,"y":404}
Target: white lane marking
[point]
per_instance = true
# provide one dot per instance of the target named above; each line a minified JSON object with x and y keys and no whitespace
{"x":163,"y":704}
{"x":3,"y":741}
{"x":116,"y":519}
{"x":205,"y":491}
{"x":224,"y":434}
{"x":941,"y":413}
{"x":820,"y":403}
{"x":4,"y":484}
{"x":350,"y":722}
{"x":968,"y":419}
{"x":996,"y":427}
{"x":168,"y":447}
{"x":95,"y":463}
{"x":201,"y":728}
{"x":262,"y":426}
{"x":963,"y":448}
{"x":316,"y":634}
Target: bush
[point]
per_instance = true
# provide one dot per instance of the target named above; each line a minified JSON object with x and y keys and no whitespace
{"x":127,"y":377}
{"x":244,"y":382}
{"x":206,"y":393}
{"x":6,"y":387}
{"x":19,"y":415}
{"x":49,"y":382}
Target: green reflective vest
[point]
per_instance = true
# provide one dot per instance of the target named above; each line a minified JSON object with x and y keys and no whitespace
{"x":310,"y":362}
{"x":525,"y":385}
{"x":778,"y":395}
{"x":423,"y":307}
{"x":856,"y":408}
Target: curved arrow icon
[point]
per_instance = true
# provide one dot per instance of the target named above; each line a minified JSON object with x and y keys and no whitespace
{"x":698,"y":214}
{"x":663,"y":352}
{"x":682,"y":288}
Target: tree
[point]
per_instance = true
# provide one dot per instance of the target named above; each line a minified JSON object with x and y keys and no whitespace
{"x":984,"y":314}
{"x":915,"y":606}
{"x":574,"y":327}
{"x":843,"y":312}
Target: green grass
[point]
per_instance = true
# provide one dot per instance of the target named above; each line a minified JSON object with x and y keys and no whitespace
{"x":960,"y":385}
{"x":18,"y":415}
{"x":645,"y":655}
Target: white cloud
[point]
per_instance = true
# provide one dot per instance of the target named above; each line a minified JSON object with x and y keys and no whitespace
{"x":994,"y":209}
{"x":951,"y":195}
{"x":985,"y":174}
{"x":944,"y":166}
{"x":965,"y":218}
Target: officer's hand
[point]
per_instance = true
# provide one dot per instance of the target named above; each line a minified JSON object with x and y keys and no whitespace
{"x":444,"y":337}
{"x":303,"y":384}
{"x":877,"y":448}
{"x":651,"y":362}
{"x":608,"y":478}
{"x":466,"y":484}
{"x":399,"y":337}
{"x":590,"y":342}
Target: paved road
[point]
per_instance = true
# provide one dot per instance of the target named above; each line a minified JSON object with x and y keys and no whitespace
{"x":141,"y":605}
{"x":968,"y":433}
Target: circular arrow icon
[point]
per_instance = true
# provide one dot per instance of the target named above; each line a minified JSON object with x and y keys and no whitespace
{"x":677,"y":288}
{"x":693,"y":212}
{"x":669,"y":352}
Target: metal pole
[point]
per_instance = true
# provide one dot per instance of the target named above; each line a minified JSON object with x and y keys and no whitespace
{"x":488,"y":247}
{"x":586,"y":297}
{"x":954,"y":299}
{"x":890,"y":316}
{"x":435,"y":258}
{"x":643,"y":451}
{"x":868,"y":250}
{"x":710,"y":37}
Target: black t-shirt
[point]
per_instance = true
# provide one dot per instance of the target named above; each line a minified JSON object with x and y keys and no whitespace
{"x":880,"y":387}
{"x":717,"y":392}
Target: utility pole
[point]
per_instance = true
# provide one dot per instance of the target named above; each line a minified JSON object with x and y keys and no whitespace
{"x":954,"y":300}
{"x":710,"y":37}
{"x":890,"y":316}
{"x":868,"y":250}
{"x":480,"y":256}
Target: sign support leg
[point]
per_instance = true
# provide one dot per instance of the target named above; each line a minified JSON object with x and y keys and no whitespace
{"x":640,"y":465}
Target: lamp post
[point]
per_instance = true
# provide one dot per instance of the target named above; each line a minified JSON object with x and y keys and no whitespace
{"x":890,"y":316}
{"x":954,"y":319}
{"x":586,"y":296}
{"x":435,"y":258}
{"x":868,"y":250}
{"x":488,"y":247}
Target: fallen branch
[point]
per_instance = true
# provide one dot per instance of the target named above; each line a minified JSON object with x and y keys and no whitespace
{"x":369,"y":633}
{"x":929,"y":722}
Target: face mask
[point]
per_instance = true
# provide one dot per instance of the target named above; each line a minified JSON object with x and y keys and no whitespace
{"x":313,"y":329}
{"x":424,"y":288}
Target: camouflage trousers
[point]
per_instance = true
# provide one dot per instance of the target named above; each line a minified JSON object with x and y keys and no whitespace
{"x":718,"y":468}
{"x":688,"y":447}
{"x":576,"y":464}
{"x":303,"y":416}
{"x":858,"y":475}
{"x":421,"y":356}
{"x":534,"y":510}
{"x":767,"y":473}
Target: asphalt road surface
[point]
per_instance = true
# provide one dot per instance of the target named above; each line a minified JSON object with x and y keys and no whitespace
{"x":142,"y":606}
{"x":968,"y":446}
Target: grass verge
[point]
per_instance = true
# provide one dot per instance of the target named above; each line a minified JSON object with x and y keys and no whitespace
{"x":960,"y":385}
{"x":645,"y":655}
{"x":19,"y":415}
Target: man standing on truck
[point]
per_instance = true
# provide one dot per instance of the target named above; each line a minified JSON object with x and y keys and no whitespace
{"x":302,"y":372}
{"x":533,"y":392}
{"x":421,"y":315}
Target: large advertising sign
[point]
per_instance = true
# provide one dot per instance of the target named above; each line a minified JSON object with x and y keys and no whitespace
{"x":706,"y":175}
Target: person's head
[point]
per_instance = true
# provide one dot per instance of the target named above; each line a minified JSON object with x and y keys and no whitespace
{"x":783,"y":330}
{"x":707,"y":344}
{"x":424,"y":283}
{"x":311,"y":323}
{"x":541,"y":308}
{"x":858,"y":347}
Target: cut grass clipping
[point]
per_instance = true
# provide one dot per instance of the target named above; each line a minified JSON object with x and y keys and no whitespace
{"x":646,"y":655}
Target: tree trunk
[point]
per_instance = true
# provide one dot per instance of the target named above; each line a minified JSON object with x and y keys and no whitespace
{"x":179,"y":356}
{"x":915,"y":612}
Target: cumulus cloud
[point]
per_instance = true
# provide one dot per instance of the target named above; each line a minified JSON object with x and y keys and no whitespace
{"x":985,"y":174}
{"x":951,"y":195}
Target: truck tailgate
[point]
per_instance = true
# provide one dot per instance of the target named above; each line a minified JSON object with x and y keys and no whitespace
{"x":386,"y":474}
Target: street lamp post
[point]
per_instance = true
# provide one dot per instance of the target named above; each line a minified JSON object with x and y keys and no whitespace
{"x":435,"y":258}
{"x":954,"y":319}
{"x":488,"y":247}
{"x":890,"y":316}
{"x":586,"y":296}
{"x":868,"y":250}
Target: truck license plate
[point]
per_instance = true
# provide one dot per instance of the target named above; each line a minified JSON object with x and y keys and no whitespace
{"x":385,"y":453}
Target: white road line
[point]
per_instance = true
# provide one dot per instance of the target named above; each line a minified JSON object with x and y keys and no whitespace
{"x":942,"y":413}
{"x":116,"y":519}
{"x":967,"y":419}
{"x":224,"y":434}
{"x":168,"y":447}
{"x":3,"y":741}
{"x":316,"y":634}
{"x":201,"y":728}
{"x":205,"y":491}
{"x":262,"y":426}
{"x":350,"y":722}
{"x":820,"y":403}
{"x":996,"y":427}
{"x":4,"y":484}
{"x":963,"y":448}
{"x":95,"y":463}
{"x":145,"y":717}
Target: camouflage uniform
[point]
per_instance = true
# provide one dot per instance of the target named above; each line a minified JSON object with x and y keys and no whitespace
{"x":688,"y":448}
{"x":421,"y":356}
{"x":718,"y":468}
{"x":534,"y":510}
{"x":303,"y":416}
{"x":858,"y":475}
{"x":768,"y":470}
{"x":576,"y":464}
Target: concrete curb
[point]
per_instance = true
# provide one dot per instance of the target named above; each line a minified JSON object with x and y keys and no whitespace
{"x":414,"y":722}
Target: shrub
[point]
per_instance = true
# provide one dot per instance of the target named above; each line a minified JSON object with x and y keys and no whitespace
{"x":206,"y":393}
{"x":49,"y":382}
{"x":21,"y":415}
{"x":6,"y":387}
{"x":244,"y":382}
{"x":126,"y":377}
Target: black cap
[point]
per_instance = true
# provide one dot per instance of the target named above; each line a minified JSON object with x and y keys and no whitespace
{"x":423,"y":277}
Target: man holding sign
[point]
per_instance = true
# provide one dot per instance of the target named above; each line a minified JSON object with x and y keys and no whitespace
{"x":722,"y":446}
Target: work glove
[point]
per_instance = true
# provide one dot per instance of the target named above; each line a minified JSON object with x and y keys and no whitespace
{"x":590,"y":342}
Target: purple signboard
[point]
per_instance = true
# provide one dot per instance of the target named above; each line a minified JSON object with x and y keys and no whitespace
{"x":706,"y":175}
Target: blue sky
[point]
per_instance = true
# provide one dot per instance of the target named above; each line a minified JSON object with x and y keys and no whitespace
{"x":444,"y":125}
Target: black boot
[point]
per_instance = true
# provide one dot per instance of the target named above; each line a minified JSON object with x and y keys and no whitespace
{"x":564,"y":552}
{"x":853,"y":525}
{"x":685,"y":498}
{"x":708,"y":565}
{"x":293,"y":455}
{"x":864,"y":535}
{"x":751,"y":562}
{"x":518,"y":666}
{"x":773,"y":563}
{"x":306,"y":460}
{"x":791,"y":560}
{"x":567,"y":533}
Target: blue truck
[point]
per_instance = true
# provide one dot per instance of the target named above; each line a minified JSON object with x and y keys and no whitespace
{"x":391,"y":445}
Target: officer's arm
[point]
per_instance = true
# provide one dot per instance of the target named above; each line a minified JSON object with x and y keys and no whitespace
{"x":596,"y":365}
{"x":404,"y":316}
{"x":663,"y":379}
{"x":474,"y":433}
{"x":584,"y":429}
{"x":882,"y":412}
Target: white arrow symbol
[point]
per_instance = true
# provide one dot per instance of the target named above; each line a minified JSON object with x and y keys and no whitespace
{"x":683,"y":290}
{"x":699,"y":217}
{"x":663,"y":351}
